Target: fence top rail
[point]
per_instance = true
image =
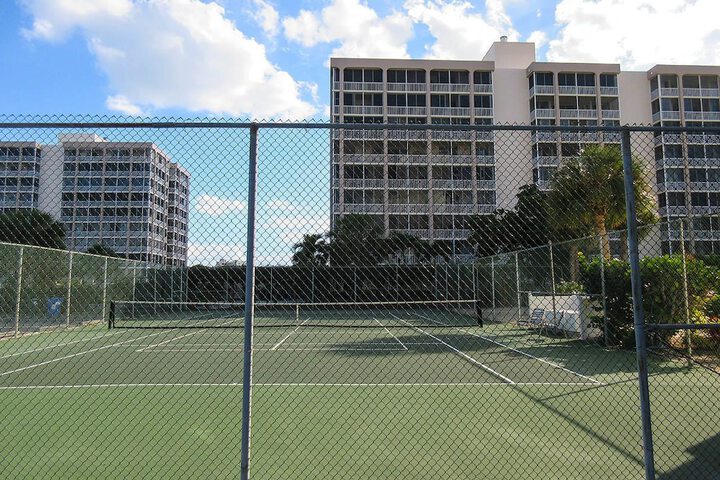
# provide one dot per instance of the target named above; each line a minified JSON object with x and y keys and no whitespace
{"x":223,"y":124}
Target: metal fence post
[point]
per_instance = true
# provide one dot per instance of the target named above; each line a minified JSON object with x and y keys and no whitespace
{"x":517,"y":286}
{"x":18,"y":291}
{"x":492,"y":282}
{"x":69,"y":289}
{"x":552,"y":281}
{"x":249,"y":307}
{"x":638,"y":315}
{"x":606,"y":333}
{"x":686,"y":302}
{"x":104,"y":293}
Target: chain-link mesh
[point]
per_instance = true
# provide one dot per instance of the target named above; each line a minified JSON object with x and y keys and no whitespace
{"x":427,"y":301}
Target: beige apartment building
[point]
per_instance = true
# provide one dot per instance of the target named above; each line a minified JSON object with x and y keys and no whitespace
{"x":428,"y":184}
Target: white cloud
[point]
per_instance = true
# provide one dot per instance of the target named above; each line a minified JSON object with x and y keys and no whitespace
{"x":214,"y":206}
{"x":175,"y":54}
{"x":538,"y":37}
{"x":359,"y":30}
{"x":267,"y":16}
{"x":459,"y":32}
{"x":282,"y":205}
{"x":211,"y":253}
{"x":637,"y":33}
{"x":121,"y":104}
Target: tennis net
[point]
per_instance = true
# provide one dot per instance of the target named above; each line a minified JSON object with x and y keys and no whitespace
{"x":147,"y":314}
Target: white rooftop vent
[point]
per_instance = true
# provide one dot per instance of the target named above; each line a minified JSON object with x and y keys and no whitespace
{"x":503,"y":38}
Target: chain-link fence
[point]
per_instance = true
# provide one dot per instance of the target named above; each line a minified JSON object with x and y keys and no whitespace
{"x":392,"y":300}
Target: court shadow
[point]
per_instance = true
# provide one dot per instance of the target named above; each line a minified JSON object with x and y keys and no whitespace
{"x":705,"y":463}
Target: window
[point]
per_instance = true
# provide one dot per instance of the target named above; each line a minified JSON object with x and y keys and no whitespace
{"x":586,"y":79}
{"x":482,"y":78}
{"x":566,"y":79}
{"x":483,"y":101}
{"x":542,"y":78}
{"x":608,"y":80}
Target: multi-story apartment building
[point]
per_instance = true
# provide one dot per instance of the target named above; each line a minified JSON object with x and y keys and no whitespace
{"x":428,"y":183}
{"x":127,"y":196}
{"x":19,"y":175}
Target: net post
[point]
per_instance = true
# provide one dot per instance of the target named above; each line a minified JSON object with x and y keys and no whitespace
{"x":104,"y":293}
{"x":18,"y":291}
{"x":249,"y":306}
{"x":69,"y":288}
{"x":606,"y":333}
{"x":111,"y":315}
{"x":638,"y":314}
{"x":688,"y":338}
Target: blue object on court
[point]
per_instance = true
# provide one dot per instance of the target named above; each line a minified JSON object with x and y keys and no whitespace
{"x":54,"y":305}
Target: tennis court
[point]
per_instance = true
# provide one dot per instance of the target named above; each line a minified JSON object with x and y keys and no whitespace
{"x":386,"y":394}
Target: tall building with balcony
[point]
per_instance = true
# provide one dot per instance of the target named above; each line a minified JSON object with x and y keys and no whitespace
{"x":127,"y":196}
{"x":19,"y":175}
{"x":428,"y":183}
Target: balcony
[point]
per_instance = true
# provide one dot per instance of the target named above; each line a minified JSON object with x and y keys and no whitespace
{"x":699,"y":138}
{"x":407,"y":135}
{"x":359,"y":208}
{"x":450,"y":234}
{"x":668,"y":138}
{"x":483,"y":88}
{"x":484,"y":136}
{"x":364,"y":183}
{"x":711,"y":116}
{"x":580,"y":136}
{"x":485,"y":159}
{"x":358,"y":110}
{"x":418,"y":232}
{"x":542,"y":90}
{"x":670,"y":162}
{"x":351,"y":134}
{"x":671,"y":186}
{"x":609,"y":91}
{"x":452,"y":184}
{"x":336,"y":109}
{"x":408,"y":208}
{"x":576,"y":90}
{"x":610,"y":114}
{"x":361,"y":158}
{"x":454,"y":208}
{"x":544,"y":137}
{"x":401,"y":158}
{"x":450,"y":111}
{"x":406,"y":87}
{"x":664,"y":92}
{"x":412,"y":111}
{"x":364,"y":86}
{"x":701,"y":92}
{"x":451,"y":135}
{"x":451,"y":159}
{"x":545,"y":160}
{"x":672,"y":211}
{"x":578,"y":113}
{"x":542,"y":113}
{"x":485,"y":184}
{"x":666,"y":115}
{"x":408,"y":183}
{"x":483,"y":112}
{"x":450,"y":87}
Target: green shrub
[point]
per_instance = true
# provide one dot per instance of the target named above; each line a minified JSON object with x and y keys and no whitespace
{"x":569,"y":287}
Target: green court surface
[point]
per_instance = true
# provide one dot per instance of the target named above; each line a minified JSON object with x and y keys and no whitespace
{"x":395,"y":401}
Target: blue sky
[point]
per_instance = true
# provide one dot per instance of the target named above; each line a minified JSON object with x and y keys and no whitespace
{"x":268,"y":59}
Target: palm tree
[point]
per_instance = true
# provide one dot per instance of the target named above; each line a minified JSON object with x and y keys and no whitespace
{"x":588,"y":194}
{"x":400,"y":243}
{"x":311,"y":251}
{"x":32,"y":227}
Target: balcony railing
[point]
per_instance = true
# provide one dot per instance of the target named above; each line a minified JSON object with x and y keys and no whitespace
{"x":485,"y":184}
{"x":359,"y":208}
{"x":671,"y":186}
{"x":542,"y":90}
{"x":416,"y":111}
{"x":361,"y":158}
{"x":402,"y":158}
{"x":485,"y":159}
{"x":666,"y":115}
{"x":364,"y":183}
{"x":543,"y":137}
{"x":542,"y":113}
{"x":668,"y":138}
{"x":450,"y":111}
{"x":408,"y":183}
{"x":451,"y":135}
{"x":350,"y":134}
{"x":701,"y":92}
{"x":408,"y":208}
{"x":484,"y":136}
{"x":450,"y":234}
{"x":578,"y":113}
{"x":407,"y":87}
{"x":483,"y":112}
{"x":451,"y":159}
{"x":609,"y":91}
{"x":359,"y":110}
{"x":451,"y":184}
{"x":672,"y":211}
{"x":407,"y":135}
{"x":712,"y":116}
{"x":545,"y":160}
{"x":610,"y":113}
{"x":664,"y":92}
{"x":483,"y":88}
{"x":450,"y":87}
{"x":454,"y":208}
{"x":364,"y":86}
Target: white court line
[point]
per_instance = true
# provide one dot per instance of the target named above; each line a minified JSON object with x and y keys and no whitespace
{"x":288,"y":335}
{"x":82,"y":353}
{"x":235,"y":384}
{"x":552,"y":364}
{"x":391,"y":334}
{"x":170,"y":340}
{"x":460,"y":353}
{"x":47,"y":347}
{"x":288,"y":349}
